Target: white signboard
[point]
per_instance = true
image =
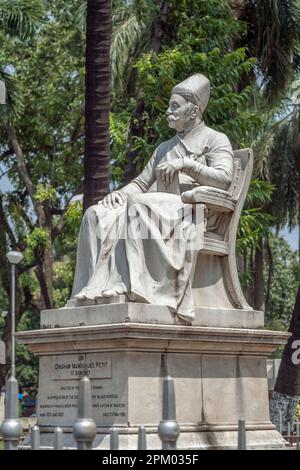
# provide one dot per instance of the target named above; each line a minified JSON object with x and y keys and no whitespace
{"x":2,"y":92}
{"x":2,"y":353}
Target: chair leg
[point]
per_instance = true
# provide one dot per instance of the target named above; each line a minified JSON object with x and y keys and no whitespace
{"x":233,"y":283}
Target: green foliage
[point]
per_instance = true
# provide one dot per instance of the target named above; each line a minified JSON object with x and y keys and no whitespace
{"x":45,"y":193}
{"x":131,"y":26}
{"x":62,"y":281}
{"x":119,"y":123}
{"x":27,"y":363}
{"x":50,"y":72}
{"x":14,"y":102}
{"x":21,"y":18}
{"x":284,"y":171}
{"x":285,"y":278}
{"x":273,"y":35}
{"x":74,"y":214}
{"x":128,"y":31}
{"x":37,"y":242}
{"x":255,"y":222}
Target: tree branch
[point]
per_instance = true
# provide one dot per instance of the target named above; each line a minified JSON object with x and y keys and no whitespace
{"x":21,"y":162}
{"x":25,"y":216}
{"x":61,"y":224}
{"x":5,"y":224}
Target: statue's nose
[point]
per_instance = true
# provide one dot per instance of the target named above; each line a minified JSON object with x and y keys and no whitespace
{"x":169,"y":111}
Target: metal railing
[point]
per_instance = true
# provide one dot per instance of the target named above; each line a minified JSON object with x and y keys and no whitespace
{"x":292,"y":432}
{"x":84,"y":428}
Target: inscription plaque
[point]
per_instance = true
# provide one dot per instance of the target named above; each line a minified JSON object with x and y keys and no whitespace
{"x":74,"y":366}
{"x":59,"y":385}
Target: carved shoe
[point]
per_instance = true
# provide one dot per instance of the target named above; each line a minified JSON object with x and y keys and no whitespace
{"x":109,"y":293}
{"x":80,"y":296}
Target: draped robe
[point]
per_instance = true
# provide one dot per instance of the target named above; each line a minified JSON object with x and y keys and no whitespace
{"x":143,"y":248}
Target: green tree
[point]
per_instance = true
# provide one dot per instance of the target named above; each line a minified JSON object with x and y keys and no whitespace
{"x":272,"y":36}
{"x":281,"y":270}
{"x":19,"y":19}
{"x":41,"y":152}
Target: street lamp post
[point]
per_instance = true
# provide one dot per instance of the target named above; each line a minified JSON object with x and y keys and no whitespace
{"x":2,"y":92}
{"x":11,"y":428}
{"x":14,"y":257}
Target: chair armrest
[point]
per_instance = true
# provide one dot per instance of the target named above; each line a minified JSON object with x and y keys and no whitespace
{"x":214,"y":198}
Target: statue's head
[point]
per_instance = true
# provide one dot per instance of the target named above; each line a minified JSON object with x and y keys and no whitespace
{"x":188,"y":102}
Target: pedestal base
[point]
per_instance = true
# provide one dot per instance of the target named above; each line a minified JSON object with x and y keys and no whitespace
{"x":219,"y":376}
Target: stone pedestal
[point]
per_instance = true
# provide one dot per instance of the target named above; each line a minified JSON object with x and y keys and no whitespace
{"x":126,"y":349}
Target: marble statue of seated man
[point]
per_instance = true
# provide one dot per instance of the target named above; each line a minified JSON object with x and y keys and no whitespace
{"x":156,"y":268}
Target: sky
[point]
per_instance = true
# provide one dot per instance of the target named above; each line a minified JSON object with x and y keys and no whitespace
{"x":291,"y":237}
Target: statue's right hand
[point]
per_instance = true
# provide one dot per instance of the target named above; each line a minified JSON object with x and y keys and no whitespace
{"x":114,"y":199}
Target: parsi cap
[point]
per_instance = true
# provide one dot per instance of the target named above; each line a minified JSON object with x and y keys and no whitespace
{"x":195,"y":89}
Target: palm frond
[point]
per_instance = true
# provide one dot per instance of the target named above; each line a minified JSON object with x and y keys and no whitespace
{"x":14,"y":103}
{"x":21,"y":18}
{"x":284,"y":171}
{"x":274,"y":29}
{"x":127,"y":32}
{"x":80,"y":16}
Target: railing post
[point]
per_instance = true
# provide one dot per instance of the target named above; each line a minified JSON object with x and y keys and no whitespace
{"x":11,"y":428}
{"x":242,"y":435}
{"x":58,"y":439}
{"x":35,"y":438}
{"x":297,"y":435}
{"x":142,"y":440}
{"x":289,"y":432}
{"x":168,"y":428}
{"x":280,"y":421}
{"x":84,"y":428}
{"x":114,"y":440}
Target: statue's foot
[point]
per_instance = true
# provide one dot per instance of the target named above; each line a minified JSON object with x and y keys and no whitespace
{"x":109,"y":293}
{"x":80,"y":296}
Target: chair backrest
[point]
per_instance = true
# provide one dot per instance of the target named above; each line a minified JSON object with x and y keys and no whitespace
{"x":218,"y":284}
{"x":242,"y":171}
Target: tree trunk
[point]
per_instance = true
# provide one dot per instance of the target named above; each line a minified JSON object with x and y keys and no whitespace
{"x":259,"y":294}
{"x":97,"y":101}
{"x":287,"y":387}
{"x":299,"y":222}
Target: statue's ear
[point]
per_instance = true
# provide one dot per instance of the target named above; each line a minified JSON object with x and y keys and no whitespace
{"x":195,"y":112}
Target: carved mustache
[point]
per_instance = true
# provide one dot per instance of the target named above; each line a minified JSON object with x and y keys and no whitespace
{"x":171,"y":117}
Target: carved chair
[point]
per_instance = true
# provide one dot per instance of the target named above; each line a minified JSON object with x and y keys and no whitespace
{"x":216,"y":282}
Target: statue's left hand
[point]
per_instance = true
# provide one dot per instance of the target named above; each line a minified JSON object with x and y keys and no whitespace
{"x":168,"y":169}
{"x":114,"y":199}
